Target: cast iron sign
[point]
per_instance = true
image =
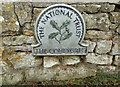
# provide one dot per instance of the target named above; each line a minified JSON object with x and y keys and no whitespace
{"x":59,"y":30}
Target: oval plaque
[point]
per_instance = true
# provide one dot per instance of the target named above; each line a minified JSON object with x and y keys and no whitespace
{"x":59,"y":30}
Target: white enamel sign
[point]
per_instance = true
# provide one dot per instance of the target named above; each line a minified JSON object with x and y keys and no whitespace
{"x":59,"y":30}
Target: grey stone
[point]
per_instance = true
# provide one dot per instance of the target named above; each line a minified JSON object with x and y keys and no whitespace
{"x":17,"y":40}
{"x":115,"y":49}
{"x":97,"y":21}
{"x":91,"y":45}
{"x":98,"y":59}
{"x":116,"y":60}
{"x":71,"y":60}
{"x":60,"y":72}
{"x":50,"y":61}
{"x":18,"y":48}
{"x":89,"y":8}
{"x":113,"y":27}
{"x":103,"y":46}
{"x":114,"y":17}
{"x":107,"y":69}
{"x":92,"y":34}
{"x":13,"y":78}
{"x":24,"y":11}
{"x":5,"y":68}
{"x":118,"y":29}
{"x":9,"y":22}
{"x":107,"y":7}
{"x":23,"y":60}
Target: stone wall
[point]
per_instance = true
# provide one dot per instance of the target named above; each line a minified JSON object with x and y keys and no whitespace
{"x":18,"y":65}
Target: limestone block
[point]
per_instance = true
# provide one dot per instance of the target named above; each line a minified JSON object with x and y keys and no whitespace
{"x":8,"y":18}
{"x":118,"y":29}
{"x":103,"y":46}
{"x":97,"y":21}
{"x":115,"y":17}
{"x":89,"y":8}
{"x":50,"y":61}
{"x":60,"y":72}
{"x":107,"y":69}
{"x":17,"y":40}
{"x":92,"y":34}
{"x":98,"y":59}
{"x":23,"y":11}
{"x":71,"y":60}
{"x":19,"y":48}
{"x":5,"y":68}
{"x":107,"y":7}
{"x":23,"y":60}
{"x":91,"y":45}
{"x":13,"y":78}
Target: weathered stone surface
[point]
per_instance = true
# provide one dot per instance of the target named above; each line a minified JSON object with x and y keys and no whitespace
{"x":98,"y":59}
{"x":97,"y":21}
{"x":115,"y":17}
{"x":103,"y":46}
{"x":107,"y":7}
{"x":92,"y":34}
{"x":115,"y":49}
{"x":60,"y":72}
{"x":116,"y":60}
{"x":91,"y":45}
{"x":37,"y":11}
{"x":24,"y":60}
{"x":23,"y":11}
{"x":5,"y":68}
{"x":71,"y":60}
{"x":9,"y":22}
{"x":13,"y":78}
{"x":116,"y":45}
{"x":18,"y":48}
{"x":89,"y":8}
{"x":113,"y":27}
{"x":50,"y":61}
{"x":118,"y":29}
{"x":107,"y":69}
{"x":17,"y":40}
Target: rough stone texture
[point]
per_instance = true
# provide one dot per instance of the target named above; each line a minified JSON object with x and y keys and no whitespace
{"x":116,"y":60}
{"x":107,"y":69}
{"x":71,"y":60}
{"x":89,"y":8}
{"x":115,"y":17}
{"x":103,"y":46}
{"x":19,"y":48}
{"x":17,"y":40}
{"x":13,"y":78}
{"x":97,"y":21}
{"x":24,"y":60}
{"x":115,"y":47}
{"x":107,"y":8}
{"x":24,"y":11}
{"x":60,"y":72}
{"x":98,"y":59}
{"x":113,"y":27}
{"x":9,"y":23}
{"x":118,"y":29}
{"x":92,"y":34}
{"x":91,"y":45}
{"x":50,"y":61}
{"x":5,"y":68}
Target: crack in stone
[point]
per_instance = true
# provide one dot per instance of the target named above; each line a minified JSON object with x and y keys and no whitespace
{"x":20,"y":26}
